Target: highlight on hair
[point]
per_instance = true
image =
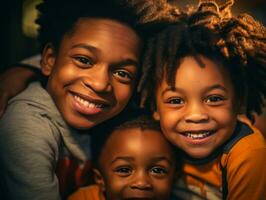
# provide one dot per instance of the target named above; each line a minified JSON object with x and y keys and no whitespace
{"x":58,"y":17}
{"x":210,"y":30}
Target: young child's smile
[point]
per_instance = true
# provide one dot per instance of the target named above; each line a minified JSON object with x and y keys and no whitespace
{"x":198,"y":115}
{"x":93,"y":73}
{"x":140,"y":167}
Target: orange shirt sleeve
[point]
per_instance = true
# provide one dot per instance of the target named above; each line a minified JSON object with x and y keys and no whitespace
{"x":246,"y":174}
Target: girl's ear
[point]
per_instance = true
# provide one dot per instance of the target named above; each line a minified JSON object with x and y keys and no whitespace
{"x":48,"y":59}
{"x":98,"y":178}
{"x":156,"y":115}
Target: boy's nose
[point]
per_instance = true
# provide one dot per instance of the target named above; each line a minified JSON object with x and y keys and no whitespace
{"x":141,"y":182}
{"x":196,"y":114}
{"x":99,"y":80}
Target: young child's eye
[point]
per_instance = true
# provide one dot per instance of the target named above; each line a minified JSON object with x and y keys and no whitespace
{"x":175,"y":101}
{"x":83,"y":61}
{"x":214,"y":100}
{"x":123,"y":171}
{"x":158,"y":170}
{"x":123,"y":75}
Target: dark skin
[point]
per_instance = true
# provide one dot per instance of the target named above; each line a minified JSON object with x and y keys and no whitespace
{"x":141,"y":166}
{"x":16,"y":79}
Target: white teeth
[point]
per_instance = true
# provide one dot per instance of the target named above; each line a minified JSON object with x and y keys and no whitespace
{"x":87,"y":103}
{"x":198,"y":135}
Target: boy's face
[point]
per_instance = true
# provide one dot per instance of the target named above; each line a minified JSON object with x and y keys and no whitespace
{"x":137,"y":164}
{"x":93,"y":73}
{"x":200,"y":114}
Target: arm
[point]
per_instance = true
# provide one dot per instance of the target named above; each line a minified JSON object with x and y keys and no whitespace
{"x":15,"y":79}
{"x":247,"y":176}
{"x":28,"y":156}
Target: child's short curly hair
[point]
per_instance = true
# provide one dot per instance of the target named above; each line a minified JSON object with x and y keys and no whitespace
{"x":210,"y":30}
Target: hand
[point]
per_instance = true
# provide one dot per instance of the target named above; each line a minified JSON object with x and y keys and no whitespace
{"x":13,"y":81}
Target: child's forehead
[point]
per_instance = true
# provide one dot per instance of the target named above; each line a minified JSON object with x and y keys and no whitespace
{"x":189,"y":64}
{"x":127,"y":137}
{"x":136,"y":144}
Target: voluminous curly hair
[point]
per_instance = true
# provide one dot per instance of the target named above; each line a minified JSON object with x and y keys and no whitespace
{"x":212,"y":31}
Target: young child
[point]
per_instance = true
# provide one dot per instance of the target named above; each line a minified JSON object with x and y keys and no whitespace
{"x":198,"y":75}
{"x":90,"y":55}
{"x":132,"y":160}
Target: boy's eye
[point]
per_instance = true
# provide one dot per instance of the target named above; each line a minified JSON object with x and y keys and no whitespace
{"x":84,"y":61}
{"x":123,"y":76}
{"x":176,"y":101}
{"x":123,"y":171}
{"x":158,"y":170}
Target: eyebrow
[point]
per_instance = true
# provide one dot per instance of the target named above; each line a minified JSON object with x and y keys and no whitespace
{"x":95,"y":50}
{"x":208,"y":89}
{"x":216,"y":86}
{"x":87,"y":47}
{"x":161,"y":158}
{"x":127,"y":158}
{"x":126,"y":62}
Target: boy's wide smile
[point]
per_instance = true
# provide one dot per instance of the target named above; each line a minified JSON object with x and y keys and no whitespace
{"x":93,"y":74}
{"x":87,"y":105}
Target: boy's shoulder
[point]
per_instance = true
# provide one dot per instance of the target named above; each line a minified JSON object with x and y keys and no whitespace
{"x":30,"y":115}
{"x":34,"y":104}
{"x":247,"y":138}
{"x":247,"y":144}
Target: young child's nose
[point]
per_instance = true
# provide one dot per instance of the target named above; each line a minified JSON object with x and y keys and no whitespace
{"x":196,"y":114}
{"x":141,"y":182}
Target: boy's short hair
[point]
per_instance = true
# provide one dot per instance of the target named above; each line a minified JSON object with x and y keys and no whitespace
{"x":101,"y":134}
{"x":57,"y":17}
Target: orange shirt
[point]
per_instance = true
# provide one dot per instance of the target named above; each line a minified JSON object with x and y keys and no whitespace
{"x":243,"y":158}
{"x":87,"y":193}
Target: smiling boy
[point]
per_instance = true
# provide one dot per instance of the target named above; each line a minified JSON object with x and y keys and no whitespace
{"x":132,"y":160}
{"x":90,"y":57}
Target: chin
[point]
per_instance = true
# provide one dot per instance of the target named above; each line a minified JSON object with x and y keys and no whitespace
{"x":198,"y":154}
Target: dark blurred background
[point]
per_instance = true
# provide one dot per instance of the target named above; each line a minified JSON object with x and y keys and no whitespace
{"x":17,"y":44}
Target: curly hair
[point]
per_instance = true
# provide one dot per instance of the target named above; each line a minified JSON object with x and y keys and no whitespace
{"x":212,"y":31}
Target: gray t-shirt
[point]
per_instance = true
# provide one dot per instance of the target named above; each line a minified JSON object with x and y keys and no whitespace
{"x":33,"y":136}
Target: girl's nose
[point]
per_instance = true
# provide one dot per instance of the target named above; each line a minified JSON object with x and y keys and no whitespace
{"x":196,"y":113}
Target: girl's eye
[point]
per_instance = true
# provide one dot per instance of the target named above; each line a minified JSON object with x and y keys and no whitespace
{"x":159,"y":171}
{"x":123,"y":76}
{"x":84,"y":61}
{"x":176,"y":101}
{"x":214,"y":99}
{"x":123,"y":171}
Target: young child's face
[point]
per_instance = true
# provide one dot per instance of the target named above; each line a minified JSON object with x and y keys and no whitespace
{"x":93,"y":73}
{"x":200,"y":114}
{"x":137,"y":164}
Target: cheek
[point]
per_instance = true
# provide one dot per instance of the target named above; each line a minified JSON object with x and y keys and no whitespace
{"x":114,"y":187}
{"x":123,"y":93}
{"x":163,"y":188}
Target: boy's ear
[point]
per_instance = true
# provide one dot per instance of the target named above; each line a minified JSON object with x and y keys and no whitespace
{"x":48,"y":59}
{"x":98,"y":178}
{"x":156,"y":115}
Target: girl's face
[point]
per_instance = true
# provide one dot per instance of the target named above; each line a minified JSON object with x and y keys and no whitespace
{"x":93,"y":73}
{"x":200,"y":114}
